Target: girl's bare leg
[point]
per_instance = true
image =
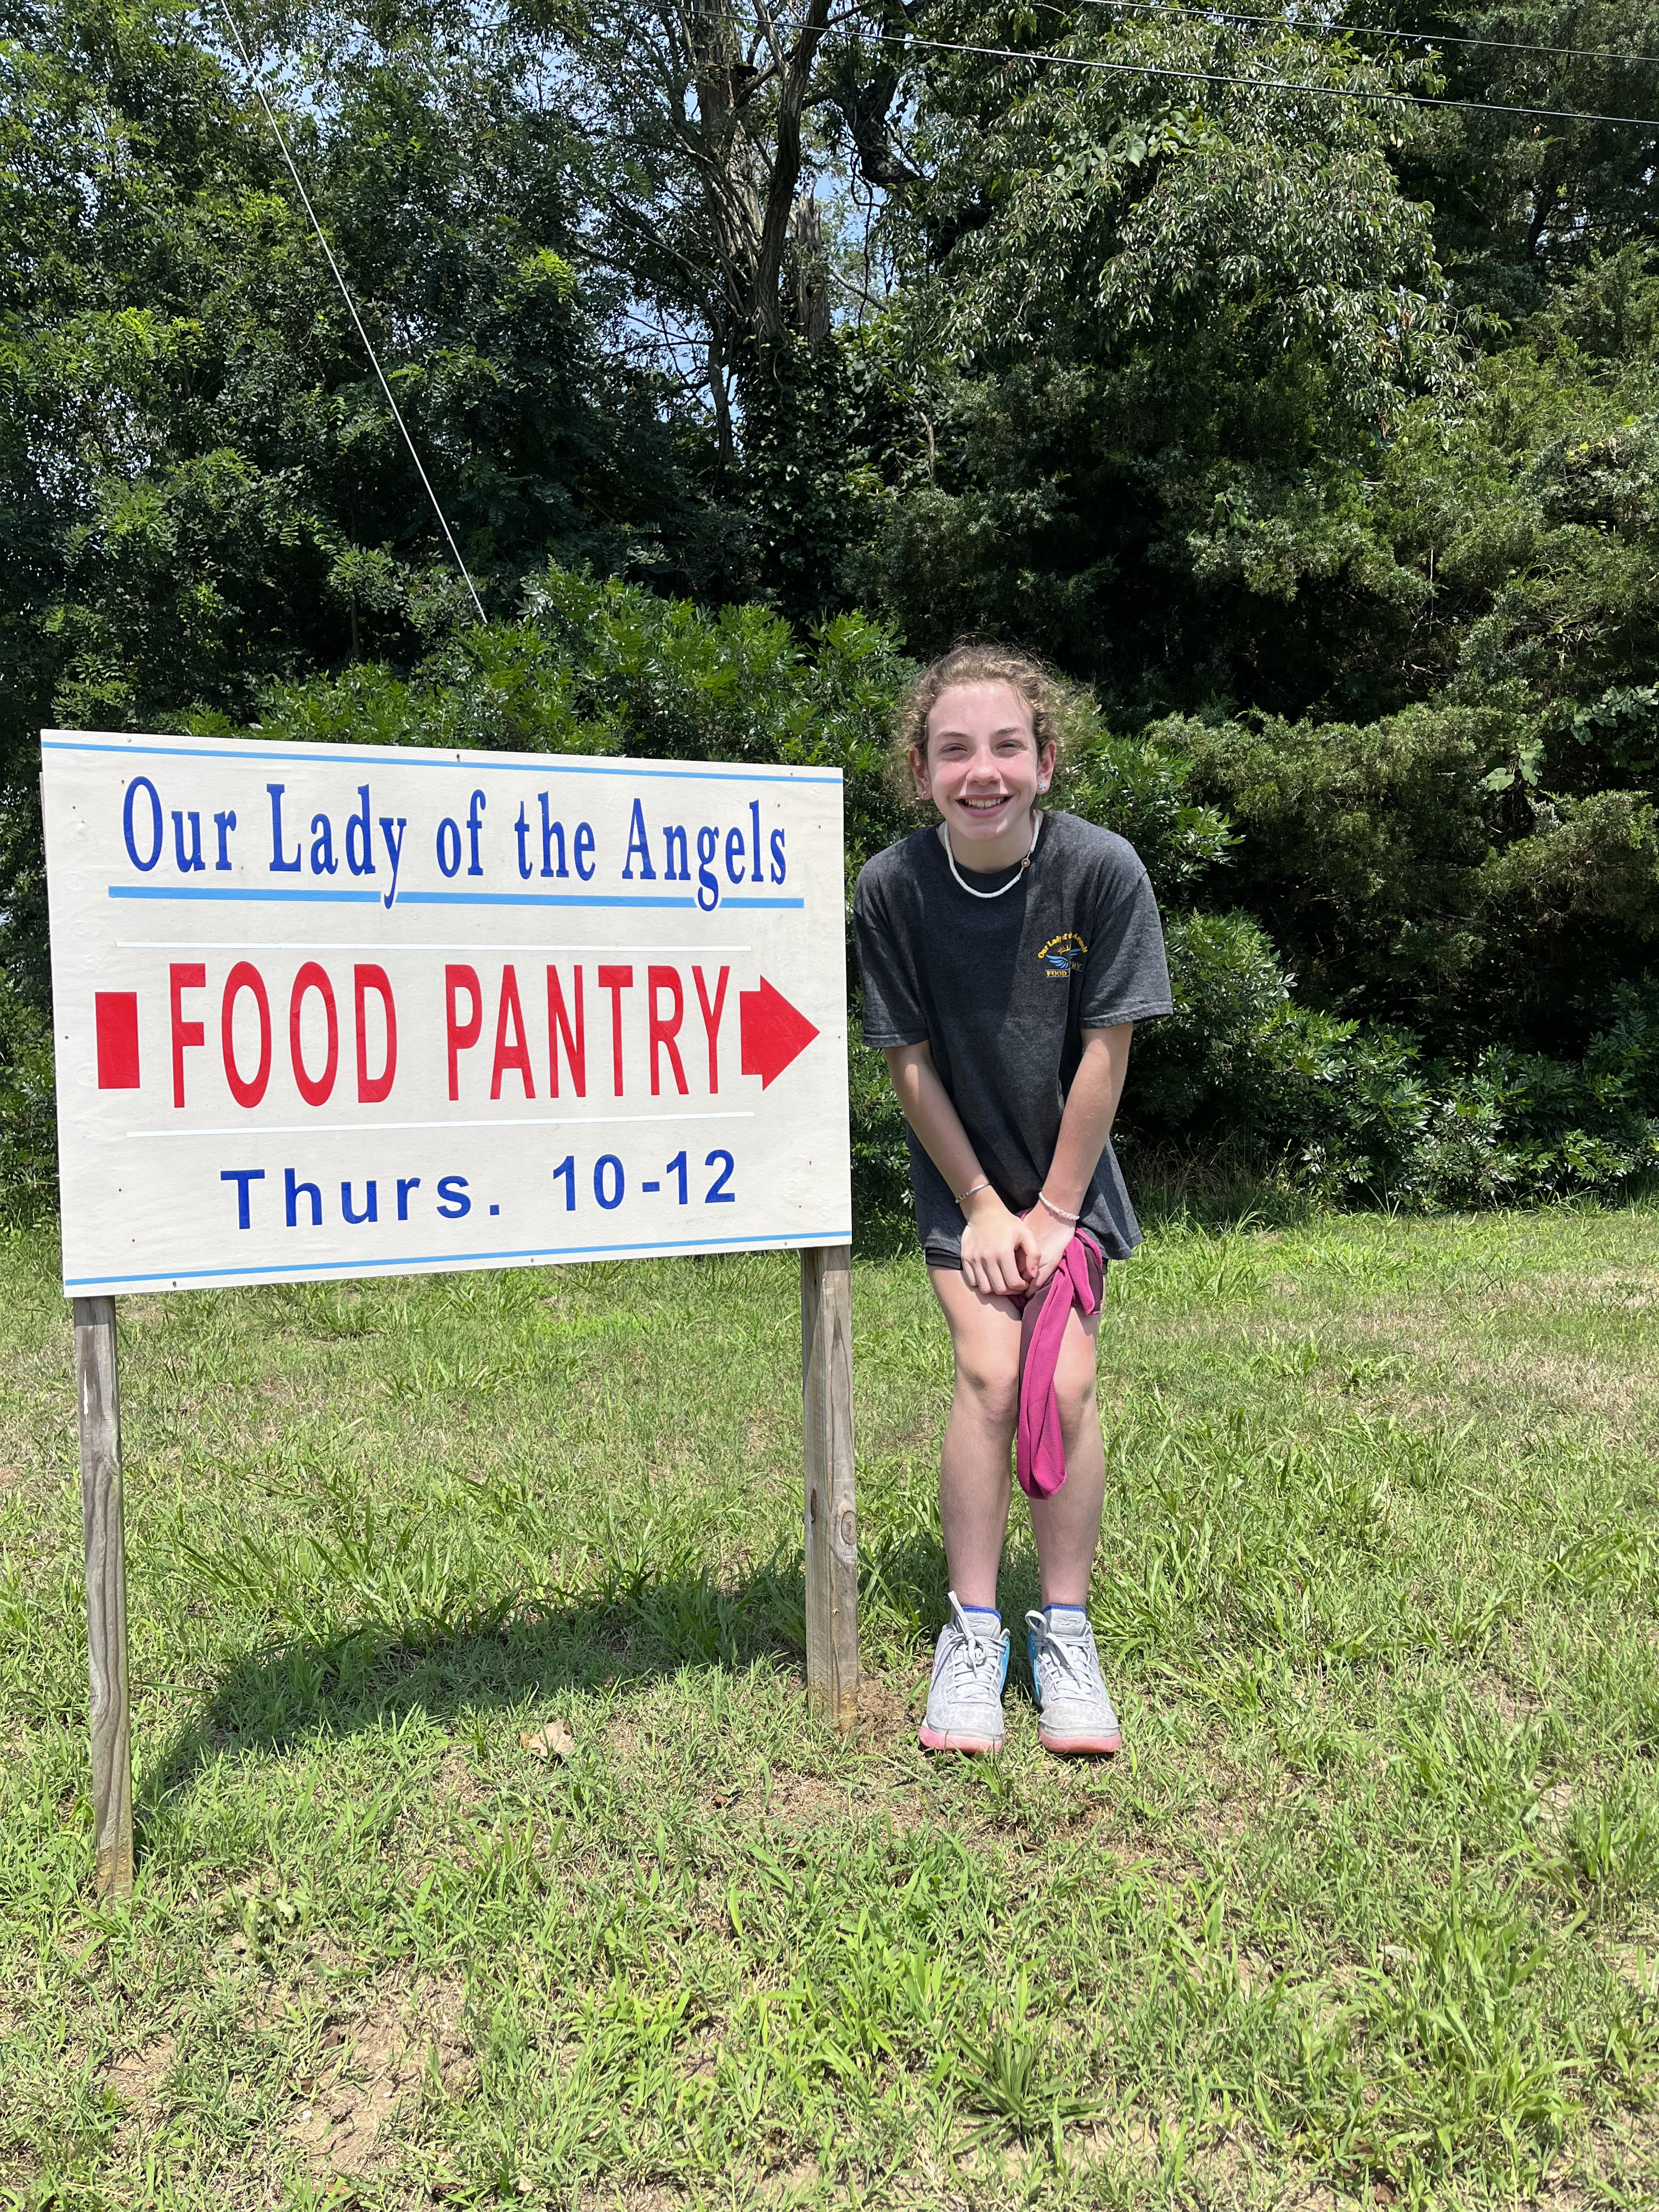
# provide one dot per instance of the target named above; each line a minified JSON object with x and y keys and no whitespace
{"x":974,"y":1469}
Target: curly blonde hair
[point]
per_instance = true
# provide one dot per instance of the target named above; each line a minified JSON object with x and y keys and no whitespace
{"x":1051,"y":703}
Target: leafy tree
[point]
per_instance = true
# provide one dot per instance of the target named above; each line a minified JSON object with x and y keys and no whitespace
{"x":202,"y":488}
{"x":1520,"y":201}
{"x":1481,"y":860}
{"x":203,"y":451}
{"x":705,"y":103}
{"x":733,"y":138}
{"x":1315,"y":424}
{"x":1151,"y":304}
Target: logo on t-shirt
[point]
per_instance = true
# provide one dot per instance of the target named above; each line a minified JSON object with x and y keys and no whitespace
{"x":1064,"y":955}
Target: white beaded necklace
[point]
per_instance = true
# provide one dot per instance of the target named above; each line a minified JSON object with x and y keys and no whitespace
{"x":1036,"y":832}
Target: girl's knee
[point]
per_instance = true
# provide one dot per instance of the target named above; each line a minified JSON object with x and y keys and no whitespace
{"x":1076,"y":1397}
{"x":991,"y":1384}
{"x":1074,"y":1390}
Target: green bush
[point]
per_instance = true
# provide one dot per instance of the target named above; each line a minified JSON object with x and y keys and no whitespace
{"x":1352,"y":1112}
{"x":29,"y":1127}
{"x":1413,"y":871}
{"x":602,"y":666}
{"x":1375,"y":844}
{"x":881,"y":1160}
{"x":1143,"y":790}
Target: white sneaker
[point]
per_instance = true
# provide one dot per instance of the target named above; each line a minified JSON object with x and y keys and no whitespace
{"x":965,"y":1698}
{"x":1074,"y":1713}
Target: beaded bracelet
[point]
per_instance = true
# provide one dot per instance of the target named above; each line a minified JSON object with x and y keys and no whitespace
{"x":1059,"y":1212}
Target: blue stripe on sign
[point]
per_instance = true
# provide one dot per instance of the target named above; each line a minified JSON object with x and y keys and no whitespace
{"x":419,"y":758}
{"x":543,"y":898}
{"x":267,"y":898}
{"x":645,"y":1248}
{"x":275,"y":896}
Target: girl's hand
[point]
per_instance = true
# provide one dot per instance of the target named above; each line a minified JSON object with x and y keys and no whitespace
{"x":999,"y":1250}
{"x":1049,"y":1239}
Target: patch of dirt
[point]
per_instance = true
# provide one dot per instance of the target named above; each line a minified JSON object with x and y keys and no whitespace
{"x":884,"y":1711}
{"x":1227,"y":2170}
{"x":135,"y":2077}
{"x":1226,"y":1823}
{"x":456,"y":1779}
{"x":372,"y":2071}
{"x":1622,"y":2152}
{"x":803,"y":1800}
{"x":1237,"y":1804}
{"x":794,"y":2184}
{"x":1255,"y":1973}
{"x":1626,"y":1288}
{"x":625,"y":1742}
{"x":1529,"y":1373}
{"x":1497,"y":1692}
{"x":1635,"y":1964}
{"x":326,"y":1956}
{"x":1554,"y":1804}
{"x":1577,"y":1385}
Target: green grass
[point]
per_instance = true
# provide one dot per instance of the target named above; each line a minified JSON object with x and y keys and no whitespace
{"x":1368,"y":1909}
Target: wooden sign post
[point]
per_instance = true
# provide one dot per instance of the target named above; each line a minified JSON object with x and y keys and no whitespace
{"x":514,"y":1010}
{"x":832,"y":1560}
{"x":103,"y":1522}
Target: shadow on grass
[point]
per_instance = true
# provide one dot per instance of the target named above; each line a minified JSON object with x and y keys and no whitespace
{"x":625,"y":1632}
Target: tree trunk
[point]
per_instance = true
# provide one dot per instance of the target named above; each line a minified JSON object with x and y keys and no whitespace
{"x":796,"y":75}
{"x":811,"y":284}
{"x":725,"y":451}
{"x":1543,"y":208}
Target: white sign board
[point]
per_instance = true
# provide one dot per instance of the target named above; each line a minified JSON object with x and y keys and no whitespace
{"x":325,"y":1010}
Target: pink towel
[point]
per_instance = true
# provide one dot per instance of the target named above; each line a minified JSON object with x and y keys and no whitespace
{"x":1040,"y":1449}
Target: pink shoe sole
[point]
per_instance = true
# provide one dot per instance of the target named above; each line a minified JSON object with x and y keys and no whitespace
{"x":933,"y":1740}
{"x":1086,"y":1747}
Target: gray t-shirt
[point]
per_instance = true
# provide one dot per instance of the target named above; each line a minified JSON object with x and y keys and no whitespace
{"x":1001,"y":990}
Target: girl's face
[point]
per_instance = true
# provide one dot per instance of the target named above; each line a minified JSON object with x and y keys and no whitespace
{"x":982,"y":767}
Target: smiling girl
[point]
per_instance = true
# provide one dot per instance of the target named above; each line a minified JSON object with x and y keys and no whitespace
{"x":1007,"y":952}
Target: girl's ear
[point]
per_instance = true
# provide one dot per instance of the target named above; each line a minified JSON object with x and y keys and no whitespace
{"x":1045,"y":765}
{"x":919,"y":770}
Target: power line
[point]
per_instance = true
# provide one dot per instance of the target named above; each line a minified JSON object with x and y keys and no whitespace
{"x":1266,"y":84}
{"x":351,"y":308}
{"x":1364,"y":30}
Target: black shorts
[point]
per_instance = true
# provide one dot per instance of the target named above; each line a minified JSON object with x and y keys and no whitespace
{"x":939,"y":1253}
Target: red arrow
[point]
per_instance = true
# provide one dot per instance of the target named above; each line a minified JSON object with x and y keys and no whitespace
{"x":773,"y":1032}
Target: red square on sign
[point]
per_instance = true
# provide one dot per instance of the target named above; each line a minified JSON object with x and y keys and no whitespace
{"x":118,"y":1040}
